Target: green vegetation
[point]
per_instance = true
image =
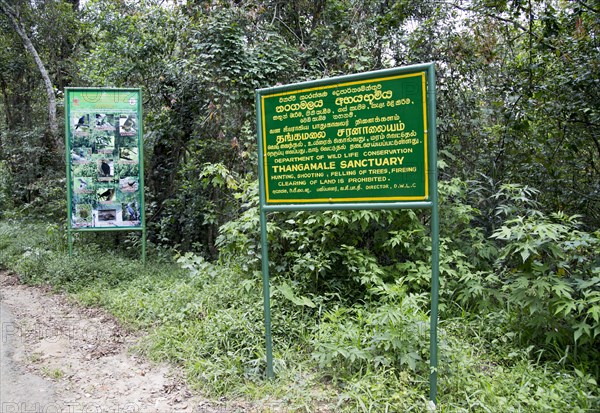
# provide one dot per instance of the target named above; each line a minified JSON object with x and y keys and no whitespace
{"x":358,"y":342}
{"x":518,"y":132}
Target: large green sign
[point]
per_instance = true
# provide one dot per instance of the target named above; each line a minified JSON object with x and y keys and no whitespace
{"x":358,"y":141}
{"x":363,"y":141}
{"x":104,"y":156}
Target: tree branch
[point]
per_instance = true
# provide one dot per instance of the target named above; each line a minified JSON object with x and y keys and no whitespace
{"x":587,"y":6}
{"x":499,"y":18}
{"x":20,"y":29}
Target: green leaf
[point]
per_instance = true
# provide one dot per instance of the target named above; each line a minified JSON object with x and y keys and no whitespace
{"x":582,"y":328}
{"x":287,"y":292}
{"x":562,"y":290}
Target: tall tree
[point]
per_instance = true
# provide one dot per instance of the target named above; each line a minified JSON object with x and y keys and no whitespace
{"x":13,"y":16}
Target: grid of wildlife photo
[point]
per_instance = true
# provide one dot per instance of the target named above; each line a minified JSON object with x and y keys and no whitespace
{"x":105,"y":175}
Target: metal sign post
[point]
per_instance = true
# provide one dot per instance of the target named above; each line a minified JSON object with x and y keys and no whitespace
{"x":104,"y":161}
{"x":364,"y":141}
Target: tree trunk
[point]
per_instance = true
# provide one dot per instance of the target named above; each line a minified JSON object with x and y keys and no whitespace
{"x":7,"y":106}
{"x":52,"y":122}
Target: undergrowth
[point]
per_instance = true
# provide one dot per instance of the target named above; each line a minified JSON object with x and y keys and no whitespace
{"x":331,"y":354}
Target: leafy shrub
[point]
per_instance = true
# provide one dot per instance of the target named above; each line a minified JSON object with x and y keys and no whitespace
{"x":392,"y":335}
{"x":26,"y":244}
{"x":333,"y":252}
{"x":551,"y":272}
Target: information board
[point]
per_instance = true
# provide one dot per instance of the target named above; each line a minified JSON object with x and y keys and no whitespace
{"x":104,"y":158}
{"x":363,"y":140}
{"x":353,"y":142}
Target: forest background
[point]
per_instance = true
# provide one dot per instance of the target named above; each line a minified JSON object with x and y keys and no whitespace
{"x":518,"y":104}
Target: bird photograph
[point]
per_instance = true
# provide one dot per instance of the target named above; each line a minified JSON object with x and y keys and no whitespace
{"x":82,"y":185}
{"x":129,"y":169}
{"x":81,"y":122}
{"x":107,"y":215}
{"x":128,"y":141}
{"x":105,"y":194}
{"x":130,"y":212}
{"x":128,"y":155}
{"x":105,"y":142}
{"x":85,"y":169}
{"x":128,"y":184}
{"x":104,"y":122}
{"x":82,"y":141}
{"x":105,"y":169}
{"x":125,"y":155}
{"x":78,"y":155}
{"x":82,"y":215}
{"x":127,"y":125}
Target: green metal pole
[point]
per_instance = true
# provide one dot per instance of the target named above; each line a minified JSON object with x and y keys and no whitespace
{"x":264,"y":242}
{"x":70,"y":241}
{"x":435,"y":287}
{"x":144,"y":246}
{"x":435,"y":236}
{"x":140,"y":141}
{"x":266,"y":292}
{"x":68,"y":170}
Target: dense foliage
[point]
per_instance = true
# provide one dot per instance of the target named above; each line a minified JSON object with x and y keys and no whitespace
{"x":331,"y":354}
{"x":518,"y":87}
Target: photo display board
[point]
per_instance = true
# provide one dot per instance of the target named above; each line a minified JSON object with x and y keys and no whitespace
{"x":363,"y":140}
{"x":104,"y":158}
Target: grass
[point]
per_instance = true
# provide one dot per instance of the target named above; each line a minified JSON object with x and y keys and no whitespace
{"x":55,"y":374}
{"x":36,"y":357}
{"x":368,"y":358}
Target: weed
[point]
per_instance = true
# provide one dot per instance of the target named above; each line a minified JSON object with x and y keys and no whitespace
{"x":55,"y":374}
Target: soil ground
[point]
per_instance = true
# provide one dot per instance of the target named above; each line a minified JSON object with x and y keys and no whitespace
{"x":60,"y":357}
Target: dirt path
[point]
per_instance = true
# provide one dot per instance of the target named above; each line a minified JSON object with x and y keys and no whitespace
{"x":59,"y":357}
{"x":19,"y":389}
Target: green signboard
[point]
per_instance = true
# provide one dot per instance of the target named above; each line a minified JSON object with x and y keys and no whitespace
{"x":104,"y":155}
{"x":363,"y":140}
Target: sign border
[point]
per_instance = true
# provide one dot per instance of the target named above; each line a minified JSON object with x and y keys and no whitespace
{"x":347,"y":80}
{"x":330,"y":84}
